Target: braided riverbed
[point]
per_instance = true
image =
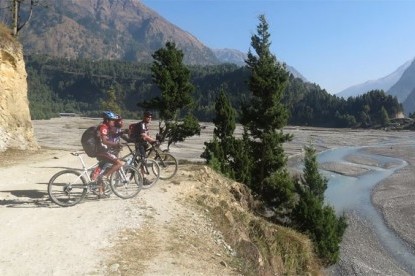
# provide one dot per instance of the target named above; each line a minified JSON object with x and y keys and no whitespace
{"x":351,"y":193}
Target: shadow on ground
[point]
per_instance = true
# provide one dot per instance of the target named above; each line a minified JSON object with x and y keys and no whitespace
{"x":26,"y":199}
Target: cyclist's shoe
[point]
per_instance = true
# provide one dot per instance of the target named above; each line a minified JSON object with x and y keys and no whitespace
{"x":146,"y":182}
{"x":103,"y":195}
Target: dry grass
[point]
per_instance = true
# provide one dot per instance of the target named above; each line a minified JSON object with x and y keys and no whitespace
{"x":5,"y":36}
{"x":132,"y":250}
{"x":12,"y":157}
{"x":262,"y":248}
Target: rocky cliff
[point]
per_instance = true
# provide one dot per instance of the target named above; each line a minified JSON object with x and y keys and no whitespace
{"x":16,"y":131}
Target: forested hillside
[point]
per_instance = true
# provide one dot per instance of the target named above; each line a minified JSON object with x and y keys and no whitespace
{"x":63,"y":85}
{"x":102,"y":29}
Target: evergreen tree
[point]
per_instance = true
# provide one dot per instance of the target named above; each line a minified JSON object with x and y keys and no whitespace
{"x":312,"y":217}
{"x":218,"y":153}
{"x":111,"y":101}
{"x":384,"y":117}
{"x":225,"y":119}
{"x":317,"y":184}
{"x":173,"y":79}
{"x":264,"y":117}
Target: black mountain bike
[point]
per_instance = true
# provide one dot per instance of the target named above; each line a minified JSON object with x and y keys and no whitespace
{"x":167,"y":162}
{"x":149,"y":168}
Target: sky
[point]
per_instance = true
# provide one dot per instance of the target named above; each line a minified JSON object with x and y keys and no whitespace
{"x":333,"y":43}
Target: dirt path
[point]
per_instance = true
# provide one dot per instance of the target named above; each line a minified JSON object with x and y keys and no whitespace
{"x":40,"y":238}
{"x":161,"y":233}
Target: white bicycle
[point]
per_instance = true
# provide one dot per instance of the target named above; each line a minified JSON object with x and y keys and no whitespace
{"x":69,"y":187}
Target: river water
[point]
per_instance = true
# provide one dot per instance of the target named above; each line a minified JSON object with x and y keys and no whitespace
{"x":346,"y":193}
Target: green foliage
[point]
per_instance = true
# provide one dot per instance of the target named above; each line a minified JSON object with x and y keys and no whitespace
{"x":79,"y":84}
{"x":243,"y":163}
{"x":384,"y":117}
{"x":264,"y":116}
{"x":317,"y":184}
{"x":179,"y":131}
{"x":225,"y":120}
{"x":278,"y":191}
{"x":173,"y":79}
{"x":312,"y":217}
{"x":219,"y":152}
{"x":111,"y":102}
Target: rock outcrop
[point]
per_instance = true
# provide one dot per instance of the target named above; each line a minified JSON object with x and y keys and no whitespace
{"x":16,"y":130}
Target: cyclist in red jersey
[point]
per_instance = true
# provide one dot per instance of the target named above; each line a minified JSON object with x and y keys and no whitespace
{"x":107,"y":147}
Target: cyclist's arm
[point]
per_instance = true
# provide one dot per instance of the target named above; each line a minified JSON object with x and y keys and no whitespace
{"x":106,"y":141}
{"x":147,"y":138}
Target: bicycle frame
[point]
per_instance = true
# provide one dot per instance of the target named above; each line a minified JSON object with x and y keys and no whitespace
{"x":133,"y":153}
{"x":70,"y":186}
{"x":85,"y":170}
{"x":166,"y":162}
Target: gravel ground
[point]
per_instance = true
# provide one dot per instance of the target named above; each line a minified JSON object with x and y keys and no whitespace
{"x":361,"y":252}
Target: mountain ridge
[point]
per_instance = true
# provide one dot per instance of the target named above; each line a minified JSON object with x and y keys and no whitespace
{"x":383,"y":83}
{"x":107,"y":29}
{"x":115,"y":29}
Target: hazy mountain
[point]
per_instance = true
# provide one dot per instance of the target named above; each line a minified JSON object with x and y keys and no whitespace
{"x":237,"y":57}
{"x":384,"y":83}
{"x":404,"y":89}
{"x":106,"y":29}
{"x":409,"y":103}
{"x":230,"y":56}
{"x":295,"y":73}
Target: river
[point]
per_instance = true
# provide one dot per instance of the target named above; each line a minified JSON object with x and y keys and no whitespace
{"x":353,"y":193}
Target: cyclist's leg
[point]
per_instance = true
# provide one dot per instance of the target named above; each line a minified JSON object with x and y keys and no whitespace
{"x":142,"y":155}
{"x":116,"y":165}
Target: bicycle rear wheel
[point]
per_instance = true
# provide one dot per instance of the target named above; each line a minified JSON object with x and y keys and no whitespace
{"x":150,"y":171}
{"x":67,"y":188}
{"x":168,"y":165}
{"x":126,"y":183}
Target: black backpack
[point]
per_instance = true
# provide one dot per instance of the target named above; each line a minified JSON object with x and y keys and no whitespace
{"x":133,"y":130}
{"x":90,"y":140}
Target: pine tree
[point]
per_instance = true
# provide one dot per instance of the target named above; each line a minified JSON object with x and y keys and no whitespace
{"x":219,"y":151}
{"x":264,"y":117}
{"x":111,"y":101}
{"x":313,"y":217}
{"x":173,"y":79}
{"x":384,"y":117}
{"x":225,"y":120}
{"x":317,"y":184}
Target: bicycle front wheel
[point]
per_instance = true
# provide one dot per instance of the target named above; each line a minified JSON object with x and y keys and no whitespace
{"x":150,"y":171}
{"x":126,"y":182}
{"x":67,"y":188}
{"x":168,"y":165}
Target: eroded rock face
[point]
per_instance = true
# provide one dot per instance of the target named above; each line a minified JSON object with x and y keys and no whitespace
{"x":16,"y":131}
